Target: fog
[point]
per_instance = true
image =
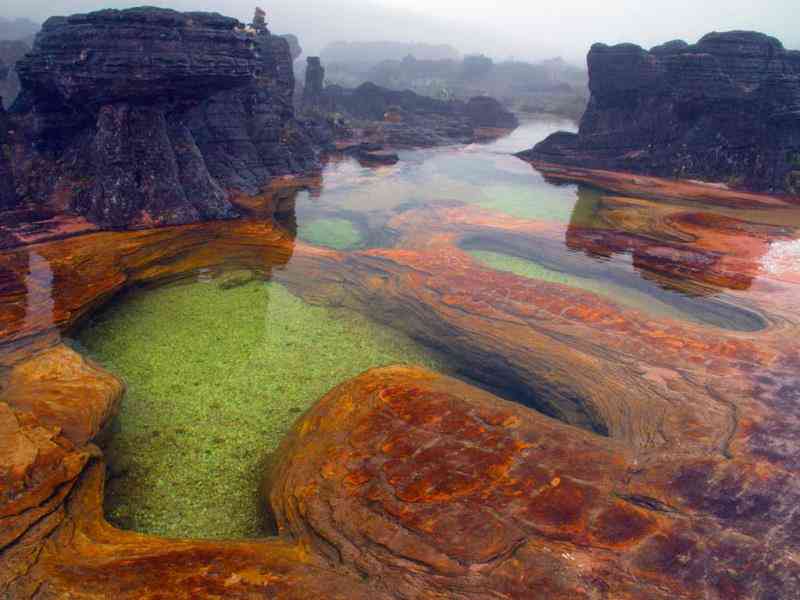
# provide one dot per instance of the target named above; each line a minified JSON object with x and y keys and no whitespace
{"x":502,"y":29}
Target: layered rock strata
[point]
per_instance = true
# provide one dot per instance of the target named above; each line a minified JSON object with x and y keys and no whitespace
{"x":148,"y":116}
{"x":10,"y":53}
{"x":315,"y":84}
{"x":680,"y":481}
{"x":408,"y":119}
{"x":726,"y":109}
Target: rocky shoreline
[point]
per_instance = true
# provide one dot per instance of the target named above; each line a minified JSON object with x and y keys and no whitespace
{"x":726,"y":109}
{"x":403,"y":481}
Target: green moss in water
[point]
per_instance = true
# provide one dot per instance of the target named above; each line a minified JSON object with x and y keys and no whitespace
{"x":216,"y":377}
{"x":540,"y":202}
{"x":616,"y":293}
{"x":339,"y":234}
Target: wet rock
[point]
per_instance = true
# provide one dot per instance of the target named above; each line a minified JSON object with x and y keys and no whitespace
{"x":370,"y":154}
{"x":64,"y":390}
{"x":484,"y":111}
{"x":725,"y":109}
{"x":208,"y":113}
{"x":484,"y":498}
{"x":405,"y":483}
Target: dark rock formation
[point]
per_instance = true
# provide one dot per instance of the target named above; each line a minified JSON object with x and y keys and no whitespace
{"x":10,"y":53}
{"x":484,"y":111}
{"x":315,"y":84}
{"x":725,"y":109}
{"x":408,"y":119}
{"x":149,"y":116}
{"x":249,"y":134}
{"x":294,"y":45}
{"x":370,"y":154}
{"x":8,"y":196}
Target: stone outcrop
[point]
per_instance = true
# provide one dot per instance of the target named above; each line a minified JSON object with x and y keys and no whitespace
{"x":249,"y":134}
{"x":725,"y":109}
{"x":315,"y":84}
{"x":669,"y":473}
{"x":10,"y":53}
{"x":148,"y":116}
{"x":8,"y":196}
{"x":484,"y":111}
{"x":408,"y":119}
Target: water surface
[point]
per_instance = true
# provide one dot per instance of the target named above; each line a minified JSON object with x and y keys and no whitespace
{"x":218,"y":367}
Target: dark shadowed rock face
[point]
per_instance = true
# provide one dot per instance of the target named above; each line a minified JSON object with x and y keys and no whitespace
{"x":8,"y":197}
{"x":149,"y":116}
{"x":10,"y":53}
{"x":315,"y":84}
{"x":725,"y":109}
{"x":250,"y":134}
{"x":484,"y":111}
{"x":409,"y":119}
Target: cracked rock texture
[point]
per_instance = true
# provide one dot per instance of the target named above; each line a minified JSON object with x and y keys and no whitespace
{"x":725,"y":109}
{"x":148,"y":116}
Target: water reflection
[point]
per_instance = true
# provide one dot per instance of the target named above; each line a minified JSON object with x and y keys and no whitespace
{"x":631,"y":251}
{"x":39,"y":298}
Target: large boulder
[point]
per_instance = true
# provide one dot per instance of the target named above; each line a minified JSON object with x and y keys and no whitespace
{"x":148,"y":116}
{"x":725,"y":109}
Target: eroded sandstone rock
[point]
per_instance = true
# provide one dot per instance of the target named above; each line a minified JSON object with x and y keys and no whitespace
{"x":725,"y":109}
{"x":408,"y":119}
{"x":438,"y":489}
{"x":681,"y":482}
{"x":148,"y":116}
{"x":10,"y":53}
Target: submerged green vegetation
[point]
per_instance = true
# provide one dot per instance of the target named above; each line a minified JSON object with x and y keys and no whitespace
{"x":339,"y":234}
{"x":525,"y":202}
{"x":216,"y":374}
{"x":627,"y":296}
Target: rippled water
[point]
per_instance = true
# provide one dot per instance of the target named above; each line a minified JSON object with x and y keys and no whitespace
{"x":223,"y":363}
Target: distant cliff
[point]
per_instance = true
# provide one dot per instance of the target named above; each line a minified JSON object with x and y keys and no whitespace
{"x":408,"y":119}
{"x":725,"y":109}
{"x":10,"y":53}
{"x":149,"y":116}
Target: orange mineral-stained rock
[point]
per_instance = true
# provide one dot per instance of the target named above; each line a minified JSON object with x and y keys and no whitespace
{"x":672,"y":473}
{"x":84,"y":557}
{"x":438,"y":489}
{"x":65,"y":390}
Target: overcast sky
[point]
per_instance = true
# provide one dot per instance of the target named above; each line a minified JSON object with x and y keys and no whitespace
{"x":501,"y":28}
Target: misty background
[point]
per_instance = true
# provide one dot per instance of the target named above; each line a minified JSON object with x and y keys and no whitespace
{"x":501,"y":29}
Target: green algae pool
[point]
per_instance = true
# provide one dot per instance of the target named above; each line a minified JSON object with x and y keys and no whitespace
{"x":215,"y":379}
{"x":650,"y":299}
{"x":339,"y":234}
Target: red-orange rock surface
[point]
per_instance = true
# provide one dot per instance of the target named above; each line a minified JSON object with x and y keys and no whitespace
{"x":442,"y":490}
{"x":406,"y":484}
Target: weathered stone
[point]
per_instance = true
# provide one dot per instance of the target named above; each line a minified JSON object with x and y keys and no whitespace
{"x":315,"y":84}
{"x":406,"y":484}
{"x":130,"y":138}
{"x":250,"y":135}
{"x":726,"y":109}
{"x":408,"y":119}
{"x":10,"y":53}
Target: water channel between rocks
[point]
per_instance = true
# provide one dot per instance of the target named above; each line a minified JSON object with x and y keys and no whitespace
{"x":218,"y":368}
